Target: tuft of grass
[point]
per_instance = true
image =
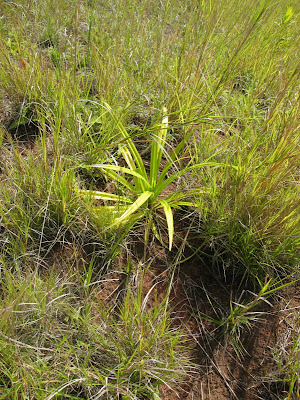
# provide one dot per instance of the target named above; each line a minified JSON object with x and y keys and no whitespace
{"x":244,"y":314}
{"x":56,"y":343}
{"x":286,"y":354}
{"x":251,"y":213}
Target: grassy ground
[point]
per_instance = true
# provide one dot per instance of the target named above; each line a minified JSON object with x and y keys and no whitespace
{"x":129,"y":128}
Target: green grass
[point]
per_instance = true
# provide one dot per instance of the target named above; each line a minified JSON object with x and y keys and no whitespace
{"x":56,"y":340}
{"x":84,"y":84}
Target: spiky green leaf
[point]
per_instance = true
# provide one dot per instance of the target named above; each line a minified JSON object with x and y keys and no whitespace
{"x":125,"y":170}
{"x":170,"y":221}
{"x":158,"y":145}
{"x":134,"y":207}
{"x":97,"y":195}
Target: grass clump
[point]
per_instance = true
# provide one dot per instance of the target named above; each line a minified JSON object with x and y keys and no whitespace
{"x":57,"y":343}
{"x":286,"y":354}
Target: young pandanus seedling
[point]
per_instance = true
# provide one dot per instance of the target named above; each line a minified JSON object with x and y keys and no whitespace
{"x":141,"y":192}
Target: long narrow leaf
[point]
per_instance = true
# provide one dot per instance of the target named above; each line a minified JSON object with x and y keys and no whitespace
{"x":170,"y":221}
{"x":128,"y":157}
{"x":131,"y":164}
{"x":158,"y":145}
{"x":120,"y":180}
{"x":134,"y":207}
{"x":129,"y":142}
{"x":95,"y":194}
{"x":117,"y":210}
{"x":121,"y":169}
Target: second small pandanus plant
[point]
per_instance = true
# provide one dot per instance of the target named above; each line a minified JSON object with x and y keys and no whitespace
{"x":141,"y":192}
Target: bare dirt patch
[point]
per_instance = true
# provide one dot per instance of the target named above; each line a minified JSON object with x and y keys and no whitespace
{"x":221,"y":373}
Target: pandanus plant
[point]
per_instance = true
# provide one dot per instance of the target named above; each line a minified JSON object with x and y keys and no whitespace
{"x":141,"y":192}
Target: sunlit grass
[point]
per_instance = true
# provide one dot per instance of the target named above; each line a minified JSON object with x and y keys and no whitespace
{"x":228,"y":76}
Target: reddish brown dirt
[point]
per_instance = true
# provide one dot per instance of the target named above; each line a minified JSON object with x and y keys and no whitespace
{"x":220,"y":373}
{"x":223,"y":374}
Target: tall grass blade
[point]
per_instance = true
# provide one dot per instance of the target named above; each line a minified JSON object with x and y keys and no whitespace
{"x":157,"y":147}
{"x":170,"y":221}
{"x":134,"y":207}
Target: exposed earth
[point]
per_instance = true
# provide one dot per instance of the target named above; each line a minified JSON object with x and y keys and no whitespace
{"x":220,"y":372}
